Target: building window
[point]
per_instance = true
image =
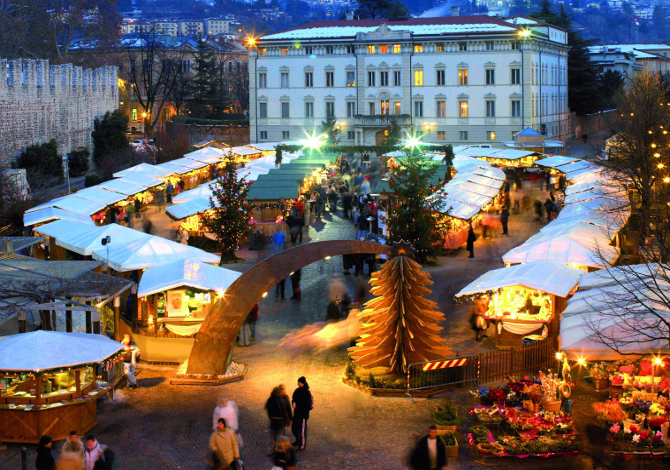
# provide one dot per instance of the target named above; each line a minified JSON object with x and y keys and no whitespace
{"x":263,"y":51}
{"x":489,"y":45}
{"x":262,"y":80}
{"x":383,"y":79}
{"x":330,"y":79}
{"x":351,"y":135}
{"x":463,"y":106}
{"x":371,"y":49}
{"x":185,"y":66}
{"x":351,"y":79}
{"x":284,"y":110}
{"x":463,"y":135}
{"x":462,"y":77}
{"x":309,"y":50}
{"x":350,"y":49}
{"x":329,"y":49}
{"x":262,"y":110}
{"x":441,"y":135}
{"x":418,"y":47}
{"x":440,"y":77}
{"x":441,"y":109}
{"x":516,"y":76}
{"x":264,"y":135}
{"x":230,"y":67}
{"x":238,"y":67}
{"x":385,"y":107}
{"x":284,"y":80}
{"x":490,"y":77}
{"x":397,"y":108}
{"x":371,"y":107}
{"x":490,"y":108}
{"x":284,"y":51}
{"x":515,"y":46}
{"x":516,"y":108}
{"x":490,"y":135}
{"x":396,"y":78}
{"x":384,"y":49}
{"x":440,"y":47}
{"x":396,"y":48}
{"x":418,"y":109}
{"x":418,"y":78}
{"x":309,"y":79}
{"x":309,"y":110}
{"x":285,"y":135}
{"x":133,"y":115}
{"x":351,"y":109}
{"x":462,"y":46}
{"x":371,"y":79}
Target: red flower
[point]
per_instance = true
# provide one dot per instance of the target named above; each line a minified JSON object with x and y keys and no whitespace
{"x":634,"y":429}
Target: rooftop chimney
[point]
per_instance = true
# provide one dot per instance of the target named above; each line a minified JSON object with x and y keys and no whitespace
{"x":350,"y":15}
{"x":455,"y":11}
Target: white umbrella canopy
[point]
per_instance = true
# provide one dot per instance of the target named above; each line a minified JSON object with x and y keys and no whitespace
{"x":186,"y":273}
{"x":40,"y":351}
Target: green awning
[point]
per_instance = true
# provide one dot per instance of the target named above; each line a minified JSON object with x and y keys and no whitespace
{"x":272,"y":194}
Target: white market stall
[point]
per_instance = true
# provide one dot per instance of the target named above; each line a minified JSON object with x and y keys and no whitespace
{"x":49,"y":383}
{"x":30,"y":219}
{"x":145,"y":169}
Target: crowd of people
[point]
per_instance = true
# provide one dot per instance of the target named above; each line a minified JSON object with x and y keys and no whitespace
{"x":75,"y":454}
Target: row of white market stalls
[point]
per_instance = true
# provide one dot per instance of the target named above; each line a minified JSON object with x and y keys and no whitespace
{"x":143,"y":182}
{"x":525,"y":299}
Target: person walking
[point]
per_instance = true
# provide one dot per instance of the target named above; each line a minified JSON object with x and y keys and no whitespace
{"x":504,"y":219}
{"x":138,"y":205}
{"x":45,"y":460}
{"x":295,"y":284}
{"x":277,"y":414}
{"x":254,"y":320}
{"x":537,"y":205}
{"x":471,"y":241}
{"x":223,"y":445}
{"x":245,"y":331}
{"x":130,"y":354}
{"x":303,"y":403}
{"x":93,"y":452}
{"x":362,"y":226}
{"x":71,"y":454}
{"x":347,"y":200}
{"x":549,"y":207}
{"x":278,"y":240}
{"x":284,"y":456}
{"x":333,"y":311}
{"x":228,"y":410}
{"x":280,"y":288}
{"x":332,"y":199}
{"x":73,"y":444}
{"x":168,"y":192}
{"x":146,"y":224}
{"x":430,"y":452}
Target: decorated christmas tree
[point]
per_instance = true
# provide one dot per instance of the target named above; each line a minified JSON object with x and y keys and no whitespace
{"x":230,"y":212}
{"x":400,"y":324}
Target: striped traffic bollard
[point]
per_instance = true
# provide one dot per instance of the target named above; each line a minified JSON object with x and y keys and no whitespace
{"x":444,"y":364}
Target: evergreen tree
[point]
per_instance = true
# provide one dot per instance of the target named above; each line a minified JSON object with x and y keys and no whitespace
{"x":203,"y":89}
{"x":42,"y":164}
{"x":329,"y":127}
{"x":448,"y":155}
{"x":400,"y":324}
{"x":609,"y":83}
{"x":371,"y":9}
{"x":398,"y":11}
{"x":230,"y":212}
{"x":412,"y":205}
{"x":392,"y":136}
{"x":109,"y":135}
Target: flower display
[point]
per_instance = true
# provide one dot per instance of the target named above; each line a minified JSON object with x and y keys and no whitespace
{"x":610,"y":411}
{"x":657,"y":409}
{"x":615,"y":428}
{"x":636,"y":438}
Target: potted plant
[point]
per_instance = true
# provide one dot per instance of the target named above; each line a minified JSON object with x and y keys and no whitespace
{"x":600,"y":376}
{"x":446,"y":418}
{"x":451,"y":445}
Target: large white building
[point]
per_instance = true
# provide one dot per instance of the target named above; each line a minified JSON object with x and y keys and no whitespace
{"x":628,"y":59}
{"x":458,"y":79}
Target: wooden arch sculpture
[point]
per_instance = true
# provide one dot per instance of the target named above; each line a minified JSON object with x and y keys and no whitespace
{"x":212,"y":350}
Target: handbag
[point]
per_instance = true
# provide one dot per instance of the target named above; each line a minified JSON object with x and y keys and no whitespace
{"x":236,"y":465}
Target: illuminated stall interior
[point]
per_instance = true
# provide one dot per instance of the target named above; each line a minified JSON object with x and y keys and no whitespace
{"x":523,"y":301}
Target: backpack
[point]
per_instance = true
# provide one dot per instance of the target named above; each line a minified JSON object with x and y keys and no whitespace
{"x":107,"y":460}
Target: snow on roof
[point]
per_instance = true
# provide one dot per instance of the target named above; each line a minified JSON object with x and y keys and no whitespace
{"x":186,"y":273}
{"x":544,"y":276}
{"x":417,"y":26}
{"x":635,"y":49}
{"x":522,"y":20}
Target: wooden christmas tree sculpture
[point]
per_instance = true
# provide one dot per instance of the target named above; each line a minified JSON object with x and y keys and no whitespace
{"x":400,"y":324}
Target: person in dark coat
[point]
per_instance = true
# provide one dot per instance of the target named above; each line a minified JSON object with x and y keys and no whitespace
{"x":504,"y":219}
{"x":333,"y":311}
{"x":278,"y":414}
{"x":299,"y":224}
{"x":347,"y":264}
{"x":549,"y":207}
{"x":471,"y":241}
{"x":347,"y":199}
{"x":430,"y":452}
{"x":284,"y":456}
{"x":138,"y":206}
{"x":302,"y":405}
{"x":295,"y":284}
{"x":45,"y":460}
{"x":279,"y":289}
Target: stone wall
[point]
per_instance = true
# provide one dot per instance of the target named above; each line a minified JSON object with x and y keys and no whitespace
{"x":40,"y":102}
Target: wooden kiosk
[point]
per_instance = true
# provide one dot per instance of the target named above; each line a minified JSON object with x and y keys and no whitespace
{"x":523,"y":301}
{"x":49,"y":383}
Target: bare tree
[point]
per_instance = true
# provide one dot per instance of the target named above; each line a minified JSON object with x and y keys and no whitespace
{"x":179,"y":83}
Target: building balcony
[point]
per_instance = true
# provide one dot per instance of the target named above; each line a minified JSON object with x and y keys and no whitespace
{"x":382,"y":120}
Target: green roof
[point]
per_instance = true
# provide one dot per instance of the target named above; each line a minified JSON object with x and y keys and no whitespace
{"x":275,"y":183}
{"x":441,"y":170}
{"x":272,"y":194}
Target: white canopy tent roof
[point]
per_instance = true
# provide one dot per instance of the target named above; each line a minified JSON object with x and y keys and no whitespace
{"x":597,"y":218}
{"x":491,"y":172}
{"x":601,"y":203}
{"x":241,"y":150}
{"x":587,"y":174}
{"x":602,"y":184}
{"x":145,"y":169}
{"x":574,"y":166}
{"x":510,"y":154}
{"x":100,"y":195}
{"x":189,"y":208}
{"x":174,"y":168}
{"x":556,"y":160}
{"x":544,"y":276}
{"x":467,"y":197}
{"x":54,"y":213}
{"x":85,"y":239}
{"x":264,"y":146}
{"x":124,"y":186}
{"x":589,"y":233}
{"x":630,"y":273}
{"x":74,"y":204}
{"x":201,"y":192}
{"x":186,"y":273}
{"x":478,"y":179}
{"x":562,"y":249}
{"x":458,"y":209}
{"x":473,"y":188}
{"x":40,"y":351}
{"x":149,"y":253}
{"x":188,"y":163}
{"x":594,"y":193}
{"x":477,"y":152}
{"x":206,"y":155}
